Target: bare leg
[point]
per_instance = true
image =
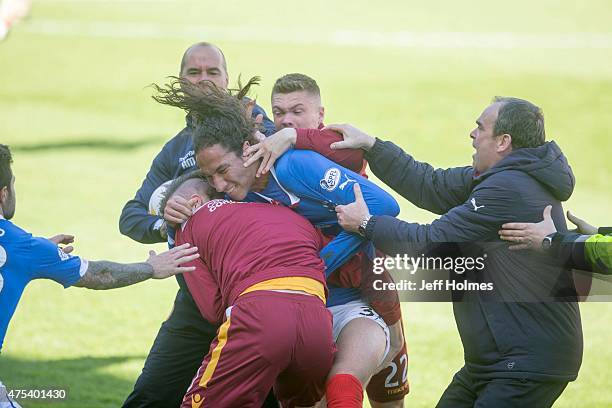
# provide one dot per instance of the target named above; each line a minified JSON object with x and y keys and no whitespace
{"x":361,"y":346}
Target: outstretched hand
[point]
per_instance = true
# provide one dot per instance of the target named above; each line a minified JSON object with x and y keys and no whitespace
{"x":353,"y":138}
{"x":528,"y":235}
{"x":351,"y":215}
{"x":583,"y":227}
{"x":169,"y":263}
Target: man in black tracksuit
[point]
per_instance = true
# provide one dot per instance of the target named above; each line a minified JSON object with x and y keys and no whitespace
{"x":184,"y":338}
{"x":523,"y":340}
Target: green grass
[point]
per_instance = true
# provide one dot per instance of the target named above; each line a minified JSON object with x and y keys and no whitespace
{"x":60,"y":92}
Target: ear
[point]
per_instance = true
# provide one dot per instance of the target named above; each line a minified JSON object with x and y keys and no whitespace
{"x":321,"y":115}
{"x":504,"y":143}
{"x":244,"y":155}
{"x":196,"y":201}
{"x":226,"y":79}
{"x":3,"y":194}
{"x":245,"y":145}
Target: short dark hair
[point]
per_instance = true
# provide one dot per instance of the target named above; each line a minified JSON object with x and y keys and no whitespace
{"x":6,"y":174}
{"x":522,"y":120}
{"x":207,"y":190}
{"x":296,"y":82}
{"x":201,"y":44}
{"x":218,"y":116}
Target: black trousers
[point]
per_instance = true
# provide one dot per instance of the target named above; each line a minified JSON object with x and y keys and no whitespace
{"x":465,"y":391}
{"x":177,"y":352}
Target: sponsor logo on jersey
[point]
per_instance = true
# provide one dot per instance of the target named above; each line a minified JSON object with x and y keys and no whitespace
{"x":331,"y":179}
{"x":188,"y":160}
{"x":346,"y":182}
{"x":196,"y":401}
{"x":1,"y":232}
{"x":212,"y":205}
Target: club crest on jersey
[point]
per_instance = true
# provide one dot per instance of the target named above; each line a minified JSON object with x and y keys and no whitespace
{"x":331,"y":179}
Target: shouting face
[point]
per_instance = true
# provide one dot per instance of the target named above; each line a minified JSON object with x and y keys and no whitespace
{"x":486,"y":144}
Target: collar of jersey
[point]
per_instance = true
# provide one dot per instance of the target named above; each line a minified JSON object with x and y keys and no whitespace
{"x":292,"y":197}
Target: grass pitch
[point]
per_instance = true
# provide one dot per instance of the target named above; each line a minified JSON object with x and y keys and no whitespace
{"x":75,"y":107}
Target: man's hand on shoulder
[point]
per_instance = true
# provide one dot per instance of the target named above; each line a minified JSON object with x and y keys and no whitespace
{"x":101,"y":275}
{"x":353,"y":138}
{"x":169,"y":263}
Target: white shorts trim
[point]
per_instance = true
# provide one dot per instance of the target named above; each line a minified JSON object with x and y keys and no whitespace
{"x":356,"y":309}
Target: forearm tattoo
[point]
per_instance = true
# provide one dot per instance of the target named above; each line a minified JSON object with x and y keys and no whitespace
{"x":108,"y":275}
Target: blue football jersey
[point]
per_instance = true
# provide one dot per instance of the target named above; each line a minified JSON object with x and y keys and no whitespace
{"x":313,"y":186}
{"x":23,"y":258}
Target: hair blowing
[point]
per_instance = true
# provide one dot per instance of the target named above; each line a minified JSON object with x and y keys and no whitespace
{"x":218,"y":116}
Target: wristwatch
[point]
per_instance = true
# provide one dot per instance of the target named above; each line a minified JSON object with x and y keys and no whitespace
{"x":362,"y":227}
{"x":548,"y":241}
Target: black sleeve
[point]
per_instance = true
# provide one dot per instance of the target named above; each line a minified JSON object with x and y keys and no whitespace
{"x":477,"y":219}
{"x":568,"y":247}
{"x":135,"y":220}
{"x":435,"y":190}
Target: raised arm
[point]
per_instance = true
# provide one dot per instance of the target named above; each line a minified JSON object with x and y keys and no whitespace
{"x":49,"y":261}
{"x":102,"y":275}
{"x":435,"y":190}
{"x":318,"y":140}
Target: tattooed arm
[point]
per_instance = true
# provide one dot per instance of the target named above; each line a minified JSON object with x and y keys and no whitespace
{"x":109,"y":275}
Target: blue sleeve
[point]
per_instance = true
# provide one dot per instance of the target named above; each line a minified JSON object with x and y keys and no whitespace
{"x":135,"y":220}
{"x":308,"y":174}
{"x":48,"y":261}
{"x":267,"y":124}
